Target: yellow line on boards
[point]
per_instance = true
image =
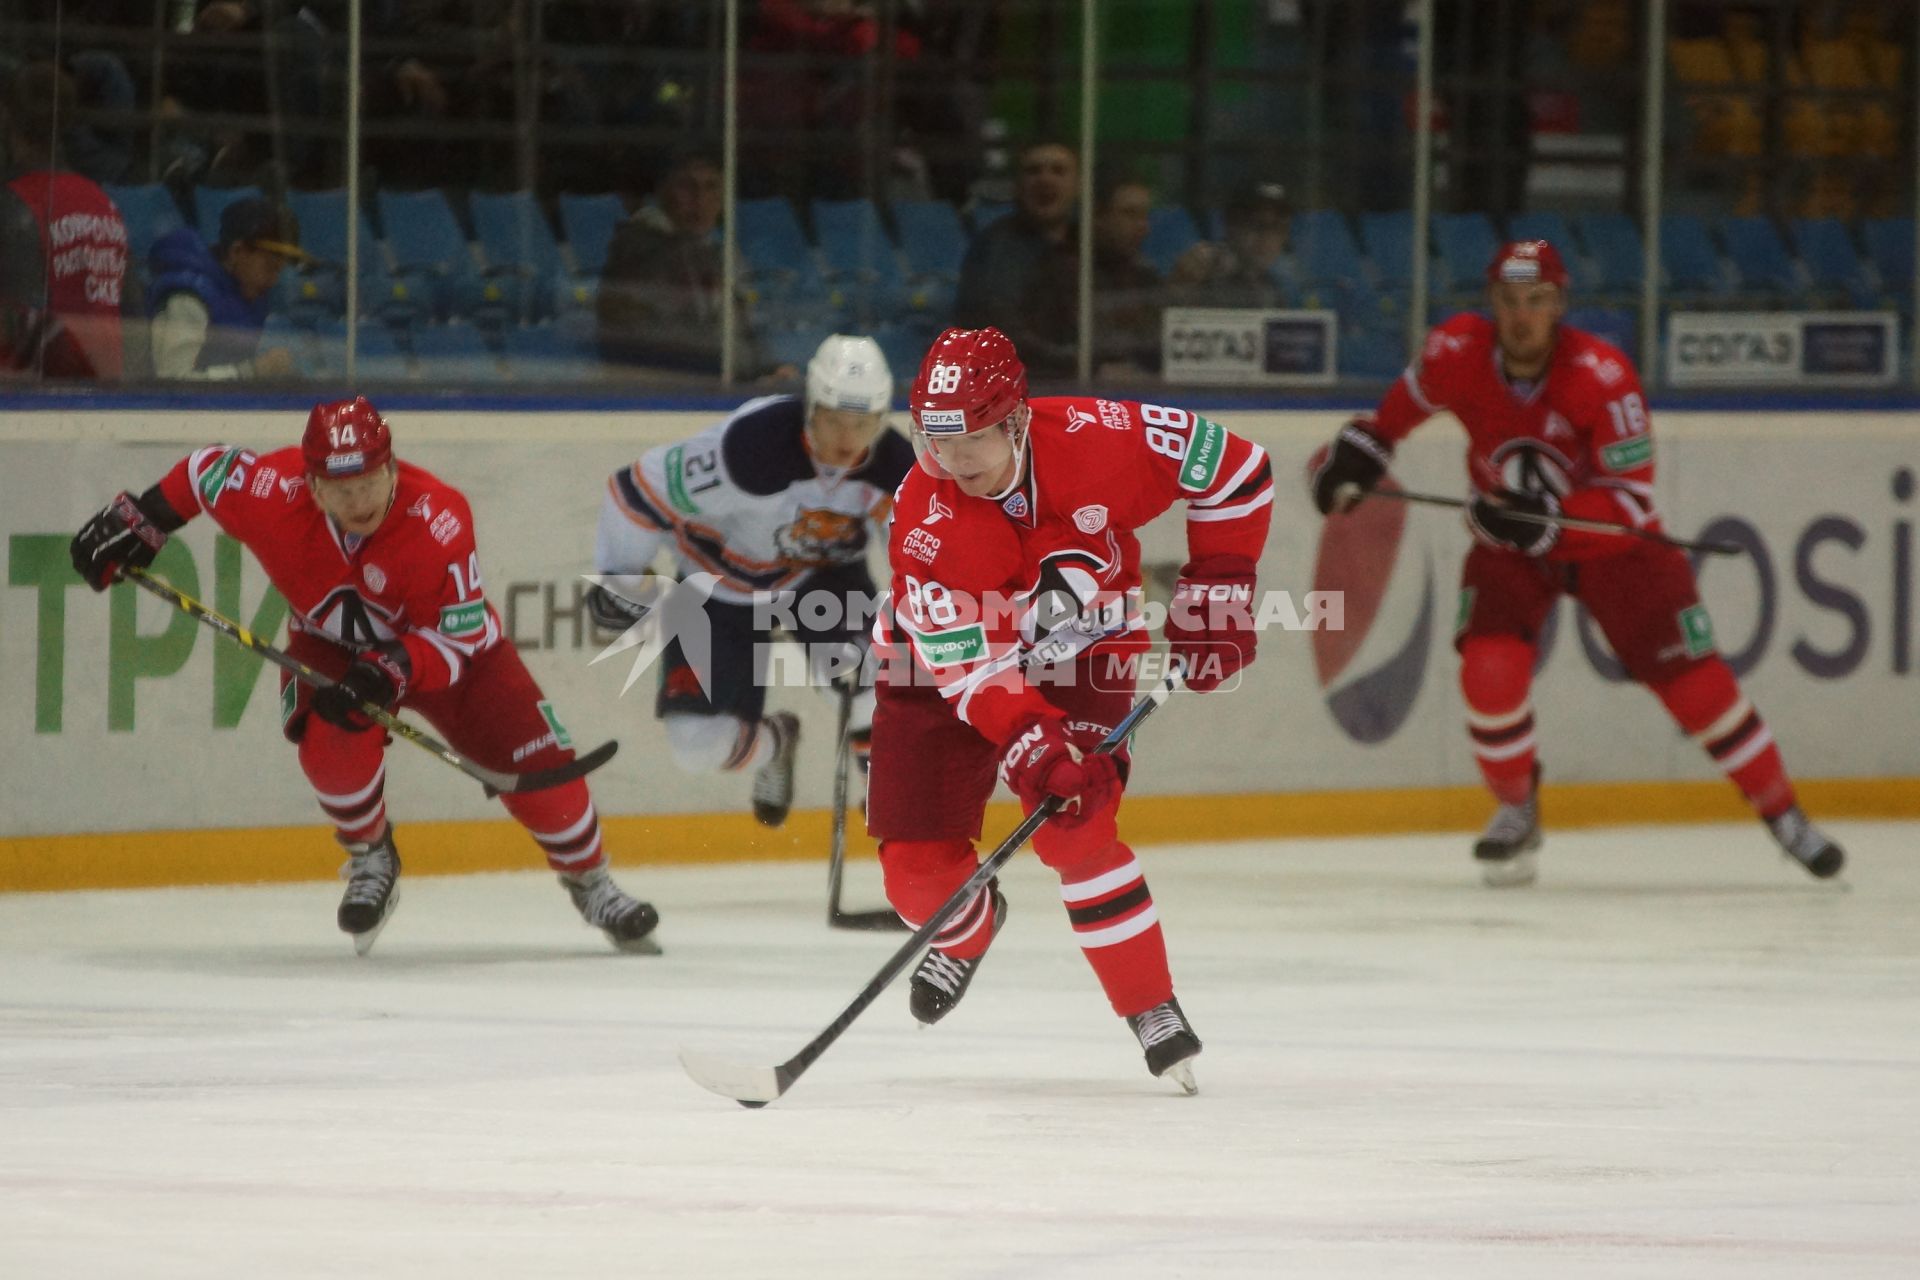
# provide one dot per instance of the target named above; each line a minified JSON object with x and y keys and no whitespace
{"x":148,"y":859}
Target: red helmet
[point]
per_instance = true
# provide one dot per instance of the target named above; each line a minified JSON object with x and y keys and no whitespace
{"x":346,"y":438}
{"x":972,"y":379}
{"x":1527,"y":262}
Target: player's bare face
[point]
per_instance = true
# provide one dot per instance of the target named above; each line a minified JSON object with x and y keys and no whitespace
{"x":980,"y":462}
{"x":841,"y":437}
{"x":1524,"y":316}
{"x":357,"y":503}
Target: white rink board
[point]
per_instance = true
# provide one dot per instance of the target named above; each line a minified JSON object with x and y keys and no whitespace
{"x":1819,"y":492}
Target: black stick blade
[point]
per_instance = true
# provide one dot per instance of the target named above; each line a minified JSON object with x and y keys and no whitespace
{"x":881,"y":920}
{"x":543,"y":779}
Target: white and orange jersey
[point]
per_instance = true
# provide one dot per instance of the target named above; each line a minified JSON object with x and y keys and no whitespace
{"x":986,"y":592}
{"x":745,"y":501}
{"x":1580,"y":430}
{"x":415,"y":579}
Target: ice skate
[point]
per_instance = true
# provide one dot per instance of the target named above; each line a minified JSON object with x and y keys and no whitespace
{"x":1807,"y":844}
{"x":627,"y":922}
{"x":773,"y":782}
{"x":941,"y":980}
{"x":372,"y":873}
{"x":1505,"y":851}
{"x":1169,"y":1043}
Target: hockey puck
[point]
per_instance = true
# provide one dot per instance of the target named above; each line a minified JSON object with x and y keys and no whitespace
{"x":755,"y":1106}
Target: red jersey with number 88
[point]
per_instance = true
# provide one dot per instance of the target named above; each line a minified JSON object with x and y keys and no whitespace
{"x":984,"y":589}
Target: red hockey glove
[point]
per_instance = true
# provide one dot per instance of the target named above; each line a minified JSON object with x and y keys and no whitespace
{"x":378,"y":676}
{"x":1210,"y":621}
{"x":1349,"y":468}
{"x":1491,"y":517}
{"x":120,"y":534}
{"x":1040,"y":760}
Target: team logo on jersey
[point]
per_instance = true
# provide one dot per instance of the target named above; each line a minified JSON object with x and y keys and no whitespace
{"x":1078,"y":418}
{"x":1558,"y":427}
{"x":1090,"y":519}
{"x":445,"y":528}
{"x":376,"y":578}
{"x":921,"y":545}
{"x":352,"y":619}
{"x":936,"y":512}
{"x":420,"y":507}
{"x":821,"y":535}
{"x":1113,"y":415}
{"x":1532,"y":466}
{"x":291,"y":486}
{"x":1016,"y":506}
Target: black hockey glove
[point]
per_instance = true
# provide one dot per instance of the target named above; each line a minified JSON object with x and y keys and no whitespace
{"x":122,"y":533}
{"x":379,"y":676}
{"x":612,"y":611}
{"x":1491,"y":516}
{"x":1353,"y":464}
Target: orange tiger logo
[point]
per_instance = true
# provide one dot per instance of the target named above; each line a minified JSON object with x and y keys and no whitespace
{"x":820,"y":536}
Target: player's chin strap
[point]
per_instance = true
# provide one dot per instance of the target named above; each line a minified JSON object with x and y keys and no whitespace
{"x":1017,"y":436}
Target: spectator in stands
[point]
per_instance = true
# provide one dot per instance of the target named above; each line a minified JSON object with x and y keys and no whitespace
{"x":660,"y":296}
{"x":210,"y":305}
{"x":1019,"y":275}
{"x":79,"y":229}
{"x":1255,"y":266}
{"x":1128,"y":294}
{"x":33,"y":342}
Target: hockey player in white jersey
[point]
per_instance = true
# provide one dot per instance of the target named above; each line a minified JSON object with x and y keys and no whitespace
{"x":776,"y":502}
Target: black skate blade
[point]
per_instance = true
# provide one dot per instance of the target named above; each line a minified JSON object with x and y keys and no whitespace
{"x":363,"y":942}
{"x":646,"y":946}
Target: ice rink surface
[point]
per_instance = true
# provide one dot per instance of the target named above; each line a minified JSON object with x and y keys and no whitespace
{"x":1675,"y":1056}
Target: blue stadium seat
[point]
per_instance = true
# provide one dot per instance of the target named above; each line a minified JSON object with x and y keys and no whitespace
{"x":1889,"y":243}
{"x":453,"y":356}
{"x":1171,"y":231}
{"x":551,"y":353}
{"x":931,"y":237}
{"x":590,"y":222}
{"x":1372,"y":353}
{"x":149,"y":212}
{"x":985,"y":213}
{"x":1761,"y":257}
{"x":1690,"y":260}
{"x":323,"y":233}
{"x":1619,"y":256}
{"x":782,"y":270}
{"x":1388,"y":238}
{"x":517,"y":243}
{"x":1324,"y":250}
{"x":861,"y":259}
{"x":377,"y":354}
{"x":1618,"y":325}
{"x":1833,"y":265}
{"x":1465,"y":244}
{"x":210,"y":202}
{"x":435,"y":274}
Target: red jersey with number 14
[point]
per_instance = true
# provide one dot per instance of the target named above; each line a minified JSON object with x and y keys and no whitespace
{"x":415,"y":579}
{"x":983,"y":590}
{"x":1579,"y":431}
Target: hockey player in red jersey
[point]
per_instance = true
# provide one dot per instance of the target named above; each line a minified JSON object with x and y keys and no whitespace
{"x":376,"y":558}
{"x":1557,"y":424}
{"x":1012,"y":642}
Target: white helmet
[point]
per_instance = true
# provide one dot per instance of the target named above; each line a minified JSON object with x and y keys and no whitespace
{"x":849,"y":373}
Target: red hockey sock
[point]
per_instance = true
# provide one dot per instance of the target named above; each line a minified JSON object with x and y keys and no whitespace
{"x":1705,"y":700}
{"x":922,"y":874}
{"x":1496,"y":673}
{"x":348,"y":773}
{"x":1118,"y":929}
{"x":563,"y":822}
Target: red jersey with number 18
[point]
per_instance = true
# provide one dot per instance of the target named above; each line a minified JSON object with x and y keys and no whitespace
{"x":1579,"y":431}
{"x":985,"y":589}
{"x":415,"y":579}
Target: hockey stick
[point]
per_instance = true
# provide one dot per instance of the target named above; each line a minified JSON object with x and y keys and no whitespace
{"x":1568,"y":522}
{"x":883,"y":918}
{"x":757,"y":1086}
{"x":495,"y":782}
